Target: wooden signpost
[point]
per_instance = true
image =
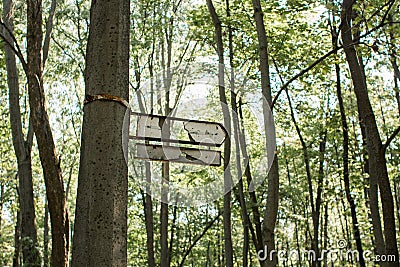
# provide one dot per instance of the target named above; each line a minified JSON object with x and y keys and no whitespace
{"x":157,"y":130}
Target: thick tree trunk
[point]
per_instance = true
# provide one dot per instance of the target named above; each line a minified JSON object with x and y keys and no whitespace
{"x":376,"y":152}
{"x":100,"y":232}
{"x":228,"y":253}
{"x":22,"y":148}
{"x":40,"y":121}
{"x":271,"y":210}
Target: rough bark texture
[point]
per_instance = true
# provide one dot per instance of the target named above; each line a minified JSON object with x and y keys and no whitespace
{"x":376,"y":152}
{"x":40,"y":121}
{"x":271,"y":210}
{"x":100,"y":234}
{"x":228,"y":252}
{"x":22,"y":148}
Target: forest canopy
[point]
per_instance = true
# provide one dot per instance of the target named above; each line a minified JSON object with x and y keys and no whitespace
{"x":307,"y":93}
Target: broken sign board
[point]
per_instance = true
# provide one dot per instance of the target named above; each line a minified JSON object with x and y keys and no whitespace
{"x":158,"y":128}
{"x":178,"y":154}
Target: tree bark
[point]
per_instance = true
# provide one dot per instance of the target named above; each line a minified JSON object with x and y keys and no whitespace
{"x":100,"y":233}
{"x":40,"y":121}
{"x":258,"y":239}
{"x":236,"y":132}
{"x":314,"y":207}
{"x":22,"y":148}
{"x":228,"y":253}
{"x":46,"y":235}
{"x":17,"y":243}
{"x":271,"y":210}
{"x":376,"y":152}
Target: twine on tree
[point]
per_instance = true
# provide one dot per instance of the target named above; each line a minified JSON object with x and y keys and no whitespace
{"x":105,"y":97}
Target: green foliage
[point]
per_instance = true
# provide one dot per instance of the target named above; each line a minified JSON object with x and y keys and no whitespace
{"x":298,"y":34}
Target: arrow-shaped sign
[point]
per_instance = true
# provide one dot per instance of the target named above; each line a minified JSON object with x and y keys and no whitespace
{"x":205,"y":132}
{"x":157,"y":128}
{"x":178,"y":154}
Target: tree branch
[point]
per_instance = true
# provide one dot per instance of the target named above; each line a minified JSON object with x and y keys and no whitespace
{"x":29,"y":136}
{"x":304,"y":71}
{"x":209,"y":225}
{"x":16,"y":49}
{"x":391,"y":138}
{"x":49,"y":29}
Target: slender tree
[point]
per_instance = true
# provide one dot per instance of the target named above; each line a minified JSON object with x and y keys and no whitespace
{"x":228,"y":252}
{"x":271,"y":210}
{"x":22,"y":148}
{"x":345,"y":155}
{"x":378,"y":174}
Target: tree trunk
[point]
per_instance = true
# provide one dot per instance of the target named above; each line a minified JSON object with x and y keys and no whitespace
{"x":271,"y":210}
{"x":46,"y":235}
{"x":345,"y":160}
{"x":258,"y":239}
{"x":314,"y":206}
{"x":376,"y":152}
{"x":228,"y":253}
{"x":236,"y":132}
{"x":17,"y":239}
{"x":100,"y":233}
{"x":40,"y":121}
{"x":22,"y":148}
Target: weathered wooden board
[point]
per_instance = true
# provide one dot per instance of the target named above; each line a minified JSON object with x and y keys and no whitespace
{"x":205,"y":132}
{"x":157,"y":128}
{"x":178,"y":154}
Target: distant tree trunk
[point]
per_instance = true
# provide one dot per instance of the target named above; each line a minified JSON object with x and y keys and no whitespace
{"x":164,"y":259}
{"x":314,"y":207}
{"x":257,"y":239}
{"x":271,"y":210}
{"x":326,"y":236}
{"x":147,"y":196}
{"x":395,"y":66}
{"x":22,"y":148}
{"x":149,"y":219}
{"x":345,"y":157}
{"x":236,"y":132}
{"x":100,"y":232}
{"x":227,"y":145}
{"x":397,"y":197}
{"x":46,"y":235}
{"x":41,"y":125}
{"x":1,"y":208}
{"x":318,"y":200}
{"x":17,"y":243}
{"x":376,"y":152}
{"x":166,"y":59}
